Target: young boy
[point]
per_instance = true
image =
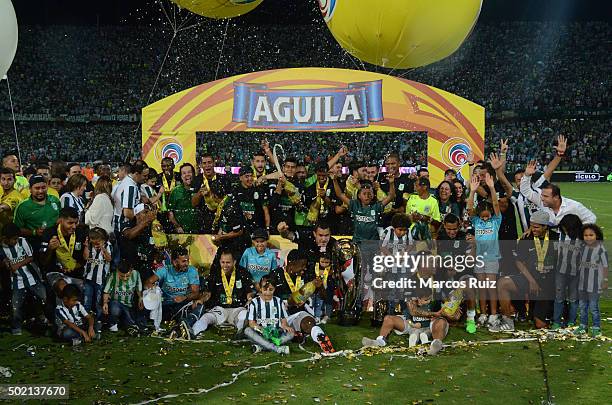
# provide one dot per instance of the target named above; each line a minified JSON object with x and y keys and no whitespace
{"x":98,"y":253}
{"x":119,"y":296}
{"x":16,"y":254}
{"x":258,"y":259}
{"x":486,"y":220}
{"x":70,"y":318}
{"x":322,"y":301}
{"x":397,"y":239}
{"x":267,"y":317}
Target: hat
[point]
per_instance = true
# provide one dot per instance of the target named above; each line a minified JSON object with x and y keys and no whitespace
{"x":540,"y":217}
{"x":260,"y":234}
{"x":245,"y":170}
{"x":295,"y":255}
{"x":37,"y":178}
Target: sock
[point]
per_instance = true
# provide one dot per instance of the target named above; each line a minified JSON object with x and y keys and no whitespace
{"x":381,"y":340}
{"x":471,"y":314}
{"x":492,"y":317}
{"x":315,"y":332}
{"x":202,"y":324}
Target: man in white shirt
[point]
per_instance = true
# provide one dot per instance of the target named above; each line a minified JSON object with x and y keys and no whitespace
{"x":551,"y":201}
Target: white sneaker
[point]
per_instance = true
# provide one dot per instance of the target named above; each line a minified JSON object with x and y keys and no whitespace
{"x":435,"y":347}
{"x":494,"y":325}
{"x":482,"y":319}
{"x":424,"y":338}
{"x":413,"y":339}
{"x":493,"y":320}
{"x":367,"y":342}
{"x":256,"y":349}
{"x":283,"y":350}
{"x":325,"y":319}
{"x":114,"y":328}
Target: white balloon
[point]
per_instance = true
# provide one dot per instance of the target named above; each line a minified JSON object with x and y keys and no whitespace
{"x":8,"y":35}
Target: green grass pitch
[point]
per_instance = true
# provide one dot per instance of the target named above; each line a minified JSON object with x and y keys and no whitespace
{"x":119,"y":369}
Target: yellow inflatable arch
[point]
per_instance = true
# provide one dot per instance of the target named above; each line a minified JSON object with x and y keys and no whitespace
{"x":316,"y":99}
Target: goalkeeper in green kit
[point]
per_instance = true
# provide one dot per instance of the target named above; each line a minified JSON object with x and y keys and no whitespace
{"x":267,"y":316}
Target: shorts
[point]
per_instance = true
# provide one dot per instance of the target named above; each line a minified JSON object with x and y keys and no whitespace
{"x":296,"y":319}
{"x":231,"y":316}
{"x":409,"y":330}
{"x":488,"y":268}
{"x":543,"y":304}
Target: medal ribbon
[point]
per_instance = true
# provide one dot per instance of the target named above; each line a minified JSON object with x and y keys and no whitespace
{"x":228,"y":287}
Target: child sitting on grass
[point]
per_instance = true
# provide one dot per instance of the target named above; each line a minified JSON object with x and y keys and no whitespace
{"x":70,"y":317}
{"x":119,"y":296}
{"x":268,"y":328}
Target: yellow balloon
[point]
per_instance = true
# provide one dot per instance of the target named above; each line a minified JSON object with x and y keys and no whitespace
{"x":219,"y":8}
{"x":400,"y":34}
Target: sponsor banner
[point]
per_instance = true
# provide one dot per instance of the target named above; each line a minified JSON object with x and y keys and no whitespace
{"x":587,"y":177}
{"x":308,"y":109}
{"x":322,"y":99}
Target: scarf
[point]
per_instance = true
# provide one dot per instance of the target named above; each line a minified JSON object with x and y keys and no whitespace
{"x":65,"y":250}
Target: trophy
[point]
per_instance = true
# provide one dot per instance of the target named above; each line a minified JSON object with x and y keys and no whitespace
{"x":348,"y":256}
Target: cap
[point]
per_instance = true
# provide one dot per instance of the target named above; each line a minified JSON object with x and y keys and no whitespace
{"x":260,"y":234}
{"x":37,"y":178}
{"x":245,"y":170}
{"x":540,"y":217}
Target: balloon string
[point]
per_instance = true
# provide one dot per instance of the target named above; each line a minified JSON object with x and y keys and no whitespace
{"x":14,"y":123}
{"x":127,"y":158}
{"x":222,"y":46}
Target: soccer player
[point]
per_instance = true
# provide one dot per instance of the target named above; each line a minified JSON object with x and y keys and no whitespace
{"x":136,"y":240}
{"x":16,"y":254}
{"x":365,"y":210}
{"x":404,"y":186}
{"x":212,"y":188}
{"x":70,"y":317}
{"x":231,"y":290}
{"x":288,"y":280}
{"x":310,"y":243}
{"x":267,"y":321}
{"x":425,"y":313}
{"x":452,"y":241}
{"x":62,"y":247}
{"x":181,"y":212}
{"x":127,"y":193}
{"x":179,"y":283}
{"x":536,"y":259}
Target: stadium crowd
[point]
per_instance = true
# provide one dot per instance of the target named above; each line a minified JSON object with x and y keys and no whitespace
{"x":80,"y":244}
{"x":84,"y":251}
